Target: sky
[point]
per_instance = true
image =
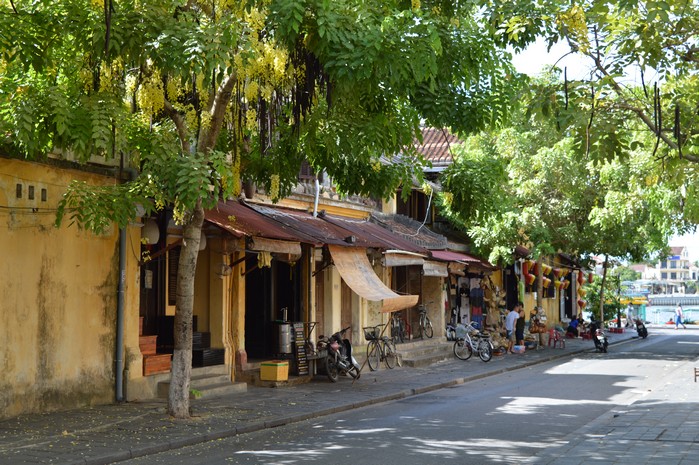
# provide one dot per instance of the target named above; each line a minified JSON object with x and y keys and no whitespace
{"x":532,"y":61}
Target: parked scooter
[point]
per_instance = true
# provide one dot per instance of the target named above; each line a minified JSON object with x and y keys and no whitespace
{"x":339,"y":360}
{"x":598,"y":336}
{"x":451,"y":326}
{"x":641,"y":328}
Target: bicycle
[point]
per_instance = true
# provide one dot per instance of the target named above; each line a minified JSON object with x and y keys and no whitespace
{"x":424,"y":323}
{"x":400,"y":330}
{"x":479,"y":342}
{"x":380,"y":348}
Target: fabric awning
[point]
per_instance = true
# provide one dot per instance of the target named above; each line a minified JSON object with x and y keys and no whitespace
{"x":354,"y":267}
{"x":430,"y":268}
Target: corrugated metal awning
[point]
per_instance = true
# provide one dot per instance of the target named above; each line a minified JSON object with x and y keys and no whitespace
{"x":354,"y":267}
{"x":439,"y":269}
{"x":241,"y":220}
{"x":398,"y":258}
{"x":272,"y":245}
{"x":449,"y":256}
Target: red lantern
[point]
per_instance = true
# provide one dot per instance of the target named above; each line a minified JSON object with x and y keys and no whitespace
{"x":590,"y":278}
{"x":581,"y":278}
{"x":557,"y":272}
{"x":545,"y":282}
{"x":529,"y":279}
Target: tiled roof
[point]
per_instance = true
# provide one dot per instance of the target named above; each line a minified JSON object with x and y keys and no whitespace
{"x":677,"y":250}
{"x":437,"y":145}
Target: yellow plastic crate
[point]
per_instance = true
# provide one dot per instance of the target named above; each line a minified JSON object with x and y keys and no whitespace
{"x":274,"y":370}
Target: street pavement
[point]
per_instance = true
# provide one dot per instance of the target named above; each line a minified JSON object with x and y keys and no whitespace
{"x":113,"y":433}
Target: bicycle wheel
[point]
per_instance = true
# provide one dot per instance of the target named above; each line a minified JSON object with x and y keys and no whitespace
{"x":389,"y":353}
{"x":373,"y":355}
{"x":429,"y":332}
{"x":462,"y":349}
{"x":485,"y":352}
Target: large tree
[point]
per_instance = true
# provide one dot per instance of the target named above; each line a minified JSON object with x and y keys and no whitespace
{"x":643,"y":59}
{"x":531,"y":184}
{"x":197,"y":95}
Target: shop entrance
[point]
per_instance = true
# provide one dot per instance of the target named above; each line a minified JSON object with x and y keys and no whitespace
{"x":272,"y":296}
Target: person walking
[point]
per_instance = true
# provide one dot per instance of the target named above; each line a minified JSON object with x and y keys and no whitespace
{"x":510,"y":320}
{"x":519,"y":328}
{"x":678,"y":317}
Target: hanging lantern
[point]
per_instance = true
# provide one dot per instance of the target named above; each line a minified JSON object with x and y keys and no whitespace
{"x":150,"y":232}
{"x":525,"y":267}
{"x":557,"y":284}
{"x":557,"y":273}
{"x":590,"y":278}
{"x":545,"y":282}
{"x":581,"y":292}
{"x":565,"y":284}
{"x":546,"y":269}
{"x":533,"y":268}
{"x":529,"y":279}
{"x":581,"y":303}
{"x":581,"y":278}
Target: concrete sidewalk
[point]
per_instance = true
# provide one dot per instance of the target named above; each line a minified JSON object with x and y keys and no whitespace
{"x":113,"y":433}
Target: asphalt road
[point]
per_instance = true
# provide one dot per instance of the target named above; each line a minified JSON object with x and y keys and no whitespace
{"x":506,"y":418}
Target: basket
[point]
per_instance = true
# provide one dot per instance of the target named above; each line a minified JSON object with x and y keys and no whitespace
{"x":371,"y":333}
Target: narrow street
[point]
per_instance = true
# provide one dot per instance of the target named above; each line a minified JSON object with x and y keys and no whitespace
{"x":536,"y":414}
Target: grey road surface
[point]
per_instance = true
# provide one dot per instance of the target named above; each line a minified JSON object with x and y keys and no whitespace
{"x":522,"y":416}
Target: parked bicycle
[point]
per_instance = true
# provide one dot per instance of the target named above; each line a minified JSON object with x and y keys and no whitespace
{"x":380,"y":348}
{"x":400,"y":330}
{"x":424,"y":323}
{"x":472,"y":340}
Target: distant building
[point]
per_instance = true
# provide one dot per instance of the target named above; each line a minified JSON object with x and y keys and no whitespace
{"x":672,"y":271}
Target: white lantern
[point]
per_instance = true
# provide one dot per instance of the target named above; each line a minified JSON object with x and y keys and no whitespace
{"x":150,"y":232}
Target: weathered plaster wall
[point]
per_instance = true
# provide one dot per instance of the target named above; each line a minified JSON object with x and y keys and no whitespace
{"x":58,"y":297}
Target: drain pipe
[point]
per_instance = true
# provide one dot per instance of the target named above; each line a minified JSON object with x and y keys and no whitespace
{"x":120,"y":318}
{"x":315,"y":202}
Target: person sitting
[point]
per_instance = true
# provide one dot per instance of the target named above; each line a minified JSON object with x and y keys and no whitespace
{"x":572,"y":330}
{"x":582,"y":326}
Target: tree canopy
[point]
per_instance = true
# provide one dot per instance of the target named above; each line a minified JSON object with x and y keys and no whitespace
{"x":197,"y":95}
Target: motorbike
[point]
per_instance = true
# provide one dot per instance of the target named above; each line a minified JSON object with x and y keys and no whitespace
{"x":339,"y":359}
{"x":599,"y":337}
{"x":641,"y":328}
{"x":451,"y":326}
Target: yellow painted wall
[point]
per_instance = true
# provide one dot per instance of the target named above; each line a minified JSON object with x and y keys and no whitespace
{"x":58,"y":297}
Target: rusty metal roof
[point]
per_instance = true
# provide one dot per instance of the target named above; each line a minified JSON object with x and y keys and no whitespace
{"x":411,"y":230}
{"x":372,"y":232}
{"x":241,"y":220}
{"x":326,"y":230}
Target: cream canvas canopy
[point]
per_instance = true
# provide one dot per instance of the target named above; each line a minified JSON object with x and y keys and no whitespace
{"x":354,"y":267}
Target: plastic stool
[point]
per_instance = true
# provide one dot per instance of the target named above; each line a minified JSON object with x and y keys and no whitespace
{"x":555,"y":338}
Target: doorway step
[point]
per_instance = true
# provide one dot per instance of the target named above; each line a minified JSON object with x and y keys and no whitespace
{"x":207,"y":382}
{"x":202,"y":353}
{"x":153,"y":362}
{"x":421,"y":353}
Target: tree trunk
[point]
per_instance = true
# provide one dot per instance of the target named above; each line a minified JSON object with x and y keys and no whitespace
{"x":178,"y":397}
{"x":601,"y":291}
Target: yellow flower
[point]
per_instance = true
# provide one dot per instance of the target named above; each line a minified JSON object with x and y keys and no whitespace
{"x":274,"y":187}
{"x":251,"y":119}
